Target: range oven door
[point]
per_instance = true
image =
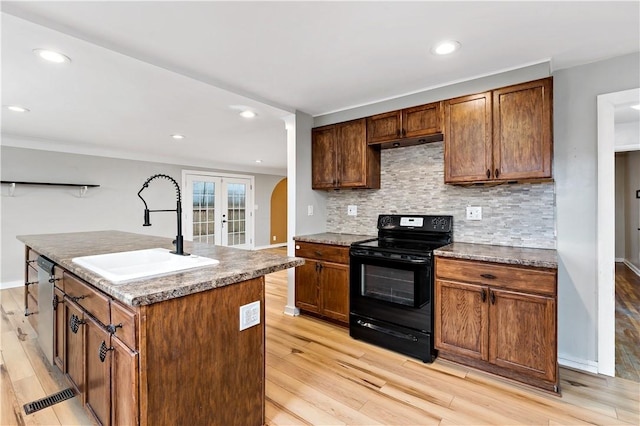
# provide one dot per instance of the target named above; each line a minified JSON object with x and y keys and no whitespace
{"x":392,"y":289}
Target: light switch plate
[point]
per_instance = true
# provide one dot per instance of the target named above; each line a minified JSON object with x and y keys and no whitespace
{"x":249,"y":315}
{"x":352,"y":210}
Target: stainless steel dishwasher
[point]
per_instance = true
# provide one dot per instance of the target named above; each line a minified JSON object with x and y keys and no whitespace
{"x":46,"y":280}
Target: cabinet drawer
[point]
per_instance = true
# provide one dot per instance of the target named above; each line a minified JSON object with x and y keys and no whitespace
{"x":121,"y":315}
{"x":32,"y":255}
{"x":95,"y":303}
{"x":535,"y":280}
{"x":32,"y":274}
{"x":326,"y":252}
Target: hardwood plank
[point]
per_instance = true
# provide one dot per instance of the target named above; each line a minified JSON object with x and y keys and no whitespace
{"x":300,"y":407}
{"x":9,"y":410}
{"x":627,"y":313}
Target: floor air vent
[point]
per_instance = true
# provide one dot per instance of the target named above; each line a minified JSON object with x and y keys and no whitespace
{"x":48,"y":401}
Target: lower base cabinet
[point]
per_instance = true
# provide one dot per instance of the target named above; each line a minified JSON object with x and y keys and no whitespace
{"x":179,"y":361}
{"x":498,"y":318}
{"x":322,"y":283}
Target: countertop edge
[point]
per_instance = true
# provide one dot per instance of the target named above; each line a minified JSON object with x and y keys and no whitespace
{"x":446,"y":251}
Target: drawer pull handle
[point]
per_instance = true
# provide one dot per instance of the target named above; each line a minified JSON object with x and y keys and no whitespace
{"x":488,"y":276}
{"x":102,"y":351}
{"x":75,"y":323}
{"x":488,"y":173}
{"x":76,"y":298}
{"x":111,"y":328}
{"x":484,"y":295}
{"x":53,"y":280}
{"x":317,"y":253}
{"x":493,"y":297}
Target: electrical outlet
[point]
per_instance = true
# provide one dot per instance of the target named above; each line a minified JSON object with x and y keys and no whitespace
{"x":474,"y":213}
{"x":352,"y":210}
{"x":249,"y":315}
{"x":310,"y":210}
{"x":274,"y":238}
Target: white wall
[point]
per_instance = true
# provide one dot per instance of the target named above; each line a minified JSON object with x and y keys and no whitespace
{"x":575,"y":173}
{"x":632,"y":209}
{"x":621,"y":161}
{"x":115,"y":205}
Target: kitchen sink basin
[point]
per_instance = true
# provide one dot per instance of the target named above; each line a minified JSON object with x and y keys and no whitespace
{"x":130,"y":265}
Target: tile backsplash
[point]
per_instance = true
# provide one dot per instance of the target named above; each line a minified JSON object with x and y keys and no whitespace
{"x":412,"y":182}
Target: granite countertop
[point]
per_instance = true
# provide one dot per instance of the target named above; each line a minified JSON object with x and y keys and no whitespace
{"x":541,"y":258}
{"x":333,"y":238}
{"x":235,"y":265}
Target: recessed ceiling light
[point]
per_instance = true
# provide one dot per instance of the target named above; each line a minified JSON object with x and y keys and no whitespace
{"x":636,"y":107}
{"x":17,"y":108}
{"x":446,"y":47}
{"x":52,"y":56}
{"x":248,"y":114}
{"x":177,"y":136}
{"x":258,"y":161}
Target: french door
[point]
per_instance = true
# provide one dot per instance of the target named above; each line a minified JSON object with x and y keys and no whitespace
{"x":218,"y":209}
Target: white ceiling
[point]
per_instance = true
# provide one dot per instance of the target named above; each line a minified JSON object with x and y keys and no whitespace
{"x":141,"y":71}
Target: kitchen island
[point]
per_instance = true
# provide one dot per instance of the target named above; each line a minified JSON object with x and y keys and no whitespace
{"x":165,"y":349}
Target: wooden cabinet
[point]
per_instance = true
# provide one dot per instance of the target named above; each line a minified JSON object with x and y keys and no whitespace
{"x":31,"y":286}
{"x":322,"y":283}
{"x":499,"y":318}
{"x":502,"y":135}
{"x":341,"y":158}
{"x":405,"y":127}
{"x":74,"y":346}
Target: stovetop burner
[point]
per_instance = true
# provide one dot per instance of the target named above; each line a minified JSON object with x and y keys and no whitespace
{"x":413,"y":234}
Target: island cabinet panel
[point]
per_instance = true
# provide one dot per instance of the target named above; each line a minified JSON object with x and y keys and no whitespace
{"x":98,"y":389}
{"x":322,"y":283}
{"x":31,"y":286}
{"x":341,"y":158}
{"x":74,"y":347}
{"x":195,"y":363}
{"x":124,"y":384}
{"x":499,"y":318}
{"x":60,"y":329}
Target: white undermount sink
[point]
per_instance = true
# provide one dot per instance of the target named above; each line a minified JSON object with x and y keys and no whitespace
{"x":130,"y":265}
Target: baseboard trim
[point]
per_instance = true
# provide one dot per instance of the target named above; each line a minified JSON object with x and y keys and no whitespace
{"x":11,"y":284}
{"x":270,"y":246}
{"x":578,"y":364}
{"x":619,"y":259}
{"x":633,"y":267}
{"x":292,"y":311}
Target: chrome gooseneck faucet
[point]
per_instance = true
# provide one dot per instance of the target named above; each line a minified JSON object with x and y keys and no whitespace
{"x":179,"y":240}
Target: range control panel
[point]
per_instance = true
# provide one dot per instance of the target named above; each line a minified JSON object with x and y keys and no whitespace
{"x":415,"y":223}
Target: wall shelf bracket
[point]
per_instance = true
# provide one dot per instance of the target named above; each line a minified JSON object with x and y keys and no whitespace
{"x":83,"y":187}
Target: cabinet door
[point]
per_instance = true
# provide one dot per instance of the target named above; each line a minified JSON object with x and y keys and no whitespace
{"x":422,"y":120}
{"x":352,"y":154}
{"x":523,"y":333}
{"x":74,"y":345}
{"x":98,"y":388}
{"x":384,"y":127}
{"x":124,"y":384}
{"x":522,"y":117}
{"x":307,"y":286}
{"x":323,"y":158}
{"x":59,"y":329}
{"x":461,"y":319}
{"x":334,"y":291}
{"x":468,"y":139}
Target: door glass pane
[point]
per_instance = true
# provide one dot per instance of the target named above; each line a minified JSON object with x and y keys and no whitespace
{"x":389,"y":284}
{"x":203,"y":211}
{"x":236,"y":200}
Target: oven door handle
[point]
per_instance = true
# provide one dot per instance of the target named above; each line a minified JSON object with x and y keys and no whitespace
{"x":393,"y":333}
{"x":364,"y":255}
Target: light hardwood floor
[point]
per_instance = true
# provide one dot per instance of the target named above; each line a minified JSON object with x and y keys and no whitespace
{"x":627,"y":323}
{"x":317,"y":374}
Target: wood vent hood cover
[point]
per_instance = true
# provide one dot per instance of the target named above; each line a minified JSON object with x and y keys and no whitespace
{"x":437,"y":137}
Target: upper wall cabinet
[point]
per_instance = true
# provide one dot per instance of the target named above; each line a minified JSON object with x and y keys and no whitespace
{"x":502,"y":135}
{"x":410,"y":126}
{"x":341,"y":158}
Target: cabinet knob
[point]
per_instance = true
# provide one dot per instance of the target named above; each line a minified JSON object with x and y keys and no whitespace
{"x":111,"y":328}
{"x":76,"y":298}
{"x":493,"y":297}
{"x":484,"y":295}
{"x":102,"y":351}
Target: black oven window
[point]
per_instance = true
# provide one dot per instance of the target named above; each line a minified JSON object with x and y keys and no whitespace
{"x":389,"y":284}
